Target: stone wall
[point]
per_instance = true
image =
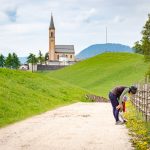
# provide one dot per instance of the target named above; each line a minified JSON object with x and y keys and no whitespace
{"x":49,"y":67}
{"x":60,"y":63}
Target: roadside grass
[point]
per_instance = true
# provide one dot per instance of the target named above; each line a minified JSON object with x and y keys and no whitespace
{"x":101,"y":73}
{"x":24,"y":94}
{"x":138,"y":128}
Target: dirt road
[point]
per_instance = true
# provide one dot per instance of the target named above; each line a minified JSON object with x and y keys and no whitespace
{"x":81,"y":126}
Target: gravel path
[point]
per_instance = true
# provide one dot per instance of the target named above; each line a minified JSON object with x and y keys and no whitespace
{"x":81,"y":126}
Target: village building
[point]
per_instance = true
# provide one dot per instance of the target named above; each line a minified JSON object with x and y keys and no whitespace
{"x":59,"y":54}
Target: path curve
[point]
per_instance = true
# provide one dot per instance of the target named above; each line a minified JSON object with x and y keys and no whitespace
{"x":81,"y":126}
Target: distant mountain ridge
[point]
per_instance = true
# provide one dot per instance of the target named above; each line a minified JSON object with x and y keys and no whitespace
{"x":101,"y":48}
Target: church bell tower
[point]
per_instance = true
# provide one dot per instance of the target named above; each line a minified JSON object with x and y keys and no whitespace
{"x":51,"y":40}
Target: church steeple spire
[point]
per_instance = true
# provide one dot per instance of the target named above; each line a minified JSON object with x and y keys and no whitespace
{"x":51,"y":23}
{"x":51,"y":40}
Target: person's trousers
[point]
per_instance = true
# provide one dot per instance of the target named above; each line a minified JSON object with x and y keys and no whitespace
{"x":114,"y":102}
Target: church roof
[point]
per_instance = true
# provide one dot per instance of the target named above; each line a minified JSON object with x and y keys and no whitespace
{"x":51,"y":23}
{"x":64,"y":48}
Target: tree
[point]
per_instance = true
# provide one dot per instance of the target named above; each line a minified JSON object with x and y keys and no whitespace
{"x":148,"y":73}
{"x":32,"y":59}
{"x":46,"y":57}
{"x":8,"y":61}
{"x":146,"y":42}
{"x":143,"y":46}
{"x":12,"y":61}
{"x":146,"y":39}
{"x":138,"y":48}
{"x":15,"y":61}
{"x":40,"y":58}
{"x":2,"y":60}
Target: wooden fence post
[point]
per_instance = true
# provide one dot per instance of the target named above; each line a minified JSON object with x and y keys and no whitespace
{"x":141,"y":100}
{"x":147,"y":100}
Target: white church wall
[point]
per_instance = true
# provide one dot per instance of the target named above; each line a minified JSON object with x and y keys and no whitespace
{"x":32,"y":67}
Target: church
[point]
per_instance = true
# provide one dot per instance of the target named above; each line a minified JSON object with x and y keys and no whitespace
{"x":59,"y":54}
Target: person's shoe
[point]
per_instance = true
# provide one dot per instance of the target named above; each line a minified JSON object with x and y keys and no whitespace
{"x":119,"y":122}
{"x":124,"y":121}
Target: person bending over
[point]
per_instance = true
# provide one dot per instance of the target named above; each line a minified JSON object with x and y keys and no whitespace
{"x":116,"y":98}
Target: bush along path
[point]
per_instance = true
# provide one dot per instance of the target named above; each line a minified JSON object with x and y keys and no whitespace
{"x":139,"y":129}
{"x":79,"y":126}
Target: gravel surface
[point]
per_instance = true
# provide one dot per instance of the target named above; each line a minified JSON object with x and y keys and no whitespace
{"x":81,"y":126}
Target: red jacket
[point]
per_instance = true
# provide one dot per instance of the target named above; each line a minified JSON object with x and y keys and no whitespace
{"x":124,"y":106}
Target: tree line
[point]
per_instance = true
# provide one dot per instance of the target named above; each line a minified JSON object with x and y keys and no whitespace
{"x":32,"y":59}
{"x":12,"y":60}
{"x":39,"y":59}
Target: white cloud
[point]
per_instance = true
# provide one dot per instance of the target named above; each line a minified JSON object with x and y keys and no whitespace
{"x":4,"y":18}
{"x":118,"y":19}
{"x":24,"y":23}
{"x":86,"y":15}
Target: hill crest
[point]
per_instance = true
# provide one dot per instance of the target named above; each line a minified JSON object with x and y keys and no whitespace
{"x":96,"y":49}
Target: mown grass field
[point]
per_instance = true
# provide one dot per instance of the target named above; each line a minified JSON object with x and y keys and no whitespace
{"x":101,"y":73}
{"x":24,"y":94}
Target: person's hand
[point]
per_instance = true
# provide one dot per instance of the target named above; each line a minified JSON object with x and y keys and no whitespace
{"x":119,"y":106}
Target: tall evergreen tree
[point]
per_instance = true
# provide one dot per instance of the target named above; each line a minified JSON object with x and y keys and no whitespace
{"x":8,"y":61}
{"x":46,"y":57}
{"x":15,"y":61}
{"x":12,"y":61}
{"x":40,"y":58}
{"x":2,"y":60}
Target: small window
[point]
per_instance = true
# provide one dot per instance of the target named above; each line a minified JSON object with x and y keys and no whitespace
{"x":66,"y":56}
{"x":70,"y":56}
{"x":58,"y":57}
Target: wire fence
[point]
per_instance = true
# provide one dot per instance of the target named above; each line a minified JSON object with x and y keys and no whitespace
{"x":141,"y":100}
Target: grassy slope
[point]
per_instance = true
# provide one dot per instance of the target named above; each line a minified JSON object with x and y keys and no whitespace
{"x":23,"y":94}
{"x":101,"y":73}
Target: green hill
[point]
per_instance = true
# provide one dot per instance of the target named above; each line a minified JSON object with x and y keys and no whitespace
{"x":101,"y":73}
{"x":23,"y":94}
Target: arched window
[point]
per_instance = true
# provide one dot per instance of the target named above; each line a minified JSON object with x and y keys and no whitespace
{"x":52,"y":34}
{"x":70,"y":56}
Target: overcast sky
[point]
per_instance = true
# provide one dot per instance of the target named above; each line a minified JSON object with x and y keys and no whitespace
{"x":24,"y":23}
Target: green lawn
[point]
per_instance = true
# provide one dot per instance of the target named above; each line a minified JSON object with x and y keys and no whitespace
{"x":24,"y":94}
{"x":101,"y":73}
